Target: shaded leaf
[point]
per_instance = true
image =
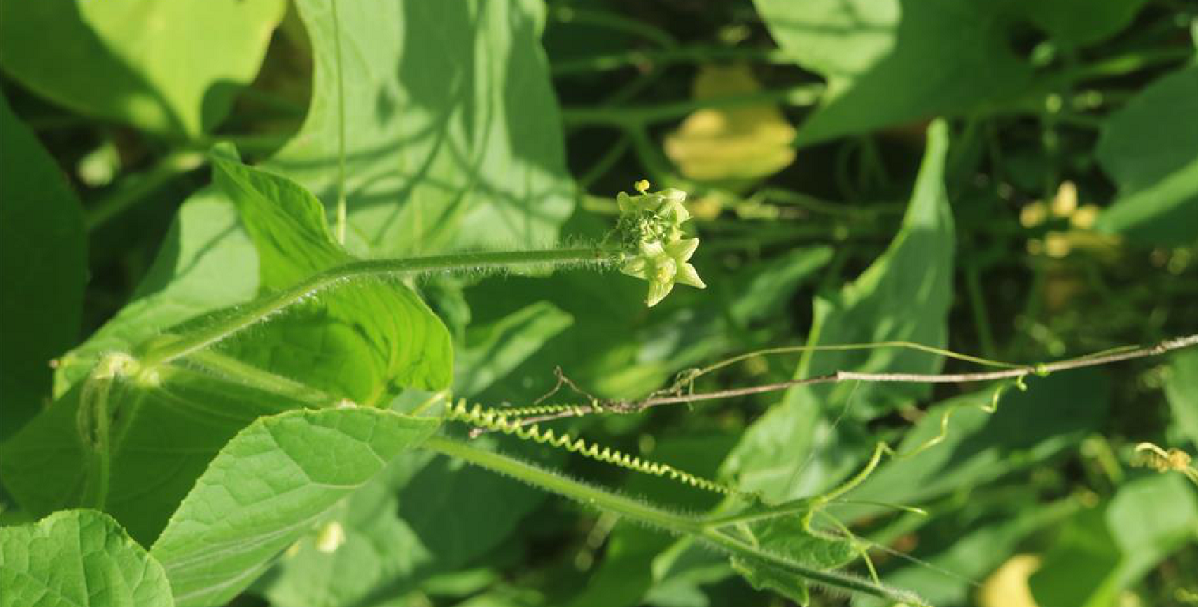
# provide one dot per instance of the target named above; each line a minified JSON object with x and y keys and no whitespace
{"x":266,"y":489}
{"x":904,"y":295}
{"x":169,"y":67}
{"x":764,"y":577}
{"x":43,"y":258}
{"x":1150,"y":149}
{"x":492,"y":350}
{"x":164,"y":436}
{"x":78,"y":558}
{"x":1182,"y":391}
{"x":1104,"y":550}
{"x":1079,"y":22}
{"x":1029,"y":426}
{"x":894,"y":61}
{"x":954,"y":552}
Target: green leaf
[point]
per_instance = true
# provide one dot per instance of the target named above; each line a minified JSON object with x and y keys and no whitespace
{"x":163,"y":438}
{"x":894,"y":61}
{"x":1104,"y":550}
{"x":420,"y":519}
{"x":1182,"y":391}
{"x":786,"y":536}
{"x":168,"y":67}
{"x":206,"y":262}
{"x":969,"y":543}
{"x":452,"y":133}
{"x":1073,"y":23}
{"x":1150,"y":149}
{"x":267,"y":488}
{"x":625,"y":574}
{"x":379,"y":550}
{"x":78,"y":558}
{"x":43,"y":258}
{"x":494,"y":349}
{"x":362,"y":339}
{"x":764,"y":577}
{"x":904,"y":295}
{"x":1029,"y":426}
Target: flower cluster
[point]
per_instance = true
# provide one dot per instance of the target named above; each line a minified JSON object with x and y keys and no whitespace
{"x":651,"y":226}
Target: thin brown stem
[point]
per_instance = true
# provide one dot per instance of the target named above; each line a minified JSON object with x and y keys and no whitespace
{"x":634,"y":406}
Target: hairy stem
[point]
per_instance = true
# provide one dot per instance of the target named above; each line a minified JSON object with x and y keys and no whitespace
{"x":238,"y":320}
{"x":675,"y":523}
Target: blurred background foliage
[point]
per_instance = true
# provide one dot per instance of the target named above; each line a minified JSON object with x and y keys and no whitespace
{"x":1061,"y":218}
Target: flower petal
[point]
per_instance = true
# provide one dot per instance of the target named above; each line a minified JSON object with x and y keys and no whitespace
{"x":658,"y":292}
{"x":682,"y":250}
{"x":688,"y":275}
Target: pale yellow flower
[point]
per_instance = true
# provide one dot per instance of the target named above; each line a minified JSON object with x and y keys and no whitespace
{"x":664,"y":266}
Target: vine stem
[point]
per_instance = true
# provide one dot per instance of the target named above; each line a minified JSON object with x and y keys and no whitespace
{"x":172,"y":348}
{"x":342,"y":215}
{"x":679,"y":524}
{"x":1092,"y":360}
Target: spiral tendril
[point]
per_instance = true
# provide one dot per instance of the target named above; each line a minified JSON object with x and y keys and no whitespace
{"x":576,"y":410}
{"x":499,"y":421}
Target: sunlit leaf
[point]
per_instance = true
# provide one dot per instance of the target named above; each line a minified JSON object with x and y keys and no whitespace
{"x":78,"y":558}
{"x":170,"y":67}
{"x":268,"y":488}
{"x":452,"y":135}
{"x":363,"y":339}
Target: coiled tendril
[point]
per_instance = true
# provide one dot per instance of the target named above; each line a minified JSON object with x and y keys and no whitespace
{"x":498,"y":421}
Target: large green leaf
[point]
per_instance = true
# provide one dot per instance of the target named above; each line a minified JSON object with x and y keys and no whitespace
{"x":1150,"y":149}
{"x":1182,"y":390}
{"x":1104,"y":550}
{"x":894,"y":61}
{"x":78,"y":558}
{"x":268,"y":487}
{"x":904,"y":295}
{"x":43,"y":258}
{"x":363,"y":339}
{"x":169,"y":67}
{"x":452,"y":135}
